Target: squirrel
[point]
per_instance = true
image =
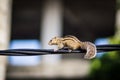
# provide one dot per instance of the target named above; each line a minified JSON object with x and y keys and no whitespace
{"x":74,"y":43}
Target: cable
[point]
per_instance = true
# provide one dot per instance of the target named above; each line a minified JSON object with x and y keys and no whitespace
{"x":105,"y":48}
{"x":32,"y":52}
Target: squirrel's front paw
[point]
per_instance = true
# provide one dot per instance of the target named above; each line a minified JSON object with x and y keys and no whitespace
{"x":55,"y":50}
{"x":70,"y":50}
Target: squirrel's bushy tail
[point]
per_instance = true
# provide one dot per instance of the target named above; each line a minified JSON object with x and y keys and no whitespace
{"x":91,"y":50}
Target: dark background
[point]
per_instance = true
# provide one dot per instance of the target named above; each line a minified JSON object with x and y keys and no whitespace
{"x":86,"y":19}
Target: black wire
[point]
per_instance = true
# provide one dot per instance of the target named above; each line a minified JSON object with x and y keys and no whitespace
{"x":105,"y":48}
{"x":31,"y":52}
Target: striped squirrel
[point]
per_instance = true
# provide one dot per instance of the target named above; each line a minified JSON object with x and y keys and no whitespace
{"x":74,"y":43}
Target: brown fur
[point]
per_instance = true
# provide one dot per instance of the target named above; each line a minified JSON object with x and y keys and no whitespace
{"x":74,"y":43}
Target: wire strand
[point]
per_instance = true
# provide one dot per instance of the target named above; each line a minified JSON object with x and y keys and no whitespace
{"x":32,"y":52}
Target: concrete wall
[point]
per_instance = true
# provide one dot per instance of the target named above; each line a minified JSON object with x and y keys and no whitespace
{"x":5,"y":11}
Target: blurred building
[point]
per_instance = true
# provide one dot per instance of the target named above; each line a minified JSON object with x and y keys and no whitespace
{"x":43,"y":19}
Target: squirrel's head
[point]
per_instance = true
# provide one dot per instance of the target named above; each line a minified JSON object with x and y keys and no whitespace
{"x":53,"y":41}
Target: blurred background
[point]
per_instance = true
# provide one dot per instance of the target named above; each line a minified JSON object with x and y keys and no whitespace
{"x":32,"y":23}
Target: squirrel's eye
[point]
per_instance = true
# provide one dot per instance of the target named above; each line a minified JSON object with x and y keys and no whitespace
{"x":50,"y":40}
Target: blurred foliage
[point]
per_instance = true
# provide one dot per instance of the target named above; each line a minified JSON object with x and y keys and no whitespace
{"x":108,"y":66}
{"x":118,"y":4}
